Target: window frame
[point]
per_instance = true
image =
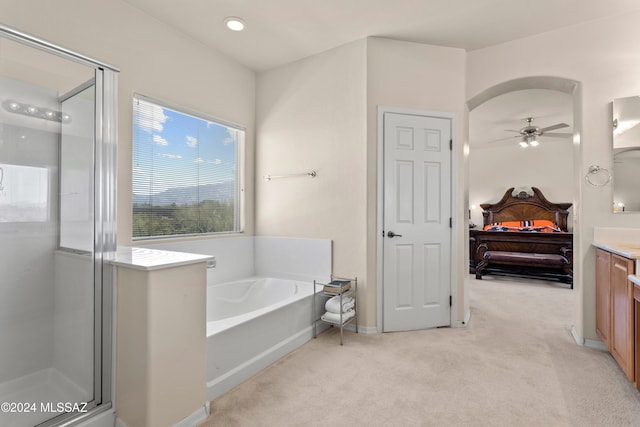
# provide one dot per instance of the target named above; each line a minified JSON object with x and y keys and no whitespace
{"x":239,"y":204}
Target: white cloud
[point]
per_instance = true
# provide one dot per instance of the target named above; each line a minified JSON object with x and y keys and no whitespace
{"x":170,"y":156}
{"x":199,"y":160}
{"x":160,"y":140}
{"x":149,"y":117}
{"x":192,"y":141}
{"x":231,"y":139}
{"x":214,"y":162}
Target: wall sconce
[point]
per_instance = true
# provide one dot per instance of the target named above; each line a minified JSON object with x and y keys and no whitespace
{"x":471,"y":225}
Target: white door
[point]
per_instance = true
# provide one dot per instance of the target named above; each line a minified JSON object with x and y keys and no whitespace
{"x":417,"y":229}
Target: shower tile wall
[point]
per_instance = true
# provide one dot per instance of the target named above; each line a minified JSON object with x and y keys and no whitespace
{"x":30,"y":152}
{"x":46,"y":296}
{"x":73,"y":323}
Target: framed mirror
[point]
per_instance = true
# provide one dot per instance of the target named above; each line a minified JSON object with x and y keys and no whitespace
{"x":626,"y":154}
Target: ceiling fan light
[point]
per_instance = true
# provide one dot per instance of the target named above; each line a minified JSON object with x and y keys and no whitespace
{"x":524,"y":144}
{"x":534,"y":142}
{"x":234,"y":23}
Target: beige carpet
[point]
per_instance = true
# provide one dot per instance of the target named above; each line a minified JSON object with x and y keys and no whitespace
{"x":515,"y":364}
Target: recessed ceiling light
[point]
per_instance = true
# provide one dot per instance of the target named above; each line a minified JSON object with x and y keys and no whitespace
{"x":234,"y":23}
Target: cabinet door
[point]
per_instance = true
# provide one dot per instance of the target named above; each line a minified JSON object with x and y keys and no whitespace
{"x":603,"y":291}
{"x":622,"y":320}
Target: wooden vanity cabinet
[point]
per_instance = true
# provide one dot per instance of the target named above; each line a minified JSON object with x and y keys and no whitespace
{"x":622,"y":314}
{"x":615,"y":321}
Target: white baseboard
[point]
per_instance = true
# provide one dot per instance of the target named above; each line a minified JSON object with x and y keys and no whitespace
{"x":465,"y":321}
{"x":362,"y":329}
{"x":192,"y":420}
{"x":104,"y":419}
{"x":196,"y":418}
{"x":595,"y":344}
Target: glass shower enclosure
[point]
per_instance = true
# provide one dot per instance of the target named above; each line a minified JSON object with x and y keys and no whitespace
{"x":57,"y":232}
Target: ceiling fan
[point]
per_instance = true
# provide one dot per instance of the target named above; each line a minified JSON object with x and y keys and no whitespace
{"x":530,"y":134}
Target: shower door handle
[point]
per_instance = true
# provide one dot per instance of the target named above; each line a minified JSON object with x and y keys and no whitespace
{"x":392,"y":234}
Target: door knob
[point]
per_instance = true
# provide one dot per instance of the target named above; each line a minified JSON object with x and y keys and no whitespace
{"x":392,"y":234}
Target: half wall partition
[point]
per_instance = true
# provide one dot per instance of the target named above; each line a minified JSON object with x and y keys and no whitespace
{"x":57,"y":232}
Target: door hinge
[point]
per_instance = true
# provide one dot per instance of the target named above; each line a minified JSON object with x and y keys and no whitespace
{"x":450,"y":222}
{"x":451,"y":145}
{"x":450,"y":301}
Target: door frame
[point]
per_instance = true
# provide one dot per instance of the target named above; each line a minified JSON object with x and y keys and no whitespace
{"x":380,"y":209}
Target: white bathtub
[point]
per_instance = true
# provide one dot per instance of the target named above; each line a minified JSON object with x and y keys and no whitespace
{"x":232,"y":303}
{"x":251,"y":323}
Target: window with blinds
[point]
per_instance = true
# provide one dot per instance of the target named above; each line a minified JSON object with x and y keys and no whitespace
{"x":185,"y":172}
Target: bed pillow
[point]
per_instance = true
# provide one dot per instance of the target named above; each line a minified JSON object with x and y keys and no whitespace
{"x":539,"y":225}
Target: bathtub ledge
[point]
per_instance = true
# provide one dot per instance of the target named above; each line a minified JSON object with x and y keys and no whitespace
{"x":154,"y":259}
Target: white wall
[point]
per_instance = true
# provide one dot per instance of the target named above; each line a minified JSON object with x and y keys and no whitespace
{"x":421,"y":77}
{"x":155,"y":61}
{"x":321,"y":113}
{"x":493,"y":170}
{"x":311,"y":115}
{"x":602,"y":56}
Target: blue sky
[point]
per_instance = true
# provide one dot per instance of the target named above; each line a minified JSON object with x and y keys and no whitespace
{"x":186,"y":150}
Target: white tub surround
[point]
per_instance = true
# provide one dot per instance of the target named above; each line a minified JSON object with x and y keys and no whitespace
{"x":293,"y":258}
{"x":234,"y":255}
{"x":240,"y":257}
{"x":160,"y":337}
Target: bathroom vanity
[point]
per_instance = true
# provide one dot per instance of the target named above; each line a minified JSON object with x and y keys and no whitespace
{"x":617,"y":260}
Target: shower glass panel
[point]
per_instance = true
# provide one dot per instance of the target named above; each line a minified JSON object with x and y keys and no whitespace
{"x":54,"y":277}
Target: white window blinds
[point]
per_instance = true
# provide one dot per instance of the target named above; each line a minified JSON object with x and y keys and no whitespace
{"x":185,"y":172}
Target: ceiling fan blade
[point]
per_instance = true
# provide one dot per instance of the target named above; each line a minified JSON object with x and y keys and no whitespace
{"x":557,"y":135}
{"x":554,"y":127}
{"x":511,"y":130}
{"x":503,"y":139}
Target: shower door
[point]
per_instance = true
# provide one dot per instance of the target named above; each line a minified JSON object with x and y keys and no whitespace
{"x":57,"y":169}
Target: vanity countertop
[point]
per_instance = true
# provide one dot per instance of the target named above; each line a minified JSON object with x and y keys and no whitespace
{"x":627,"y":250}
{"x":634,"y":279}
{"x":621,"y":241}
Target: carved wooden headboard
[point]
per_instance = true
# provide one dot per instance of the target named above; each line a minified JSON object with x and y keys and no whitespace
{"x":524,"y":206}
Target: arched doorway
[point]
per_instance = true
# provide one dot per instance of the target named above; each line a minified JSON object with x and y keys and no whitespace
{"x":572,"y":89}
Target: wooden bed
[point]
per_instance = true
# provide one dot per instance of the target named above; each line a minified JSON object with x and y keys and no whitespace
{"x":530,"y":253}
